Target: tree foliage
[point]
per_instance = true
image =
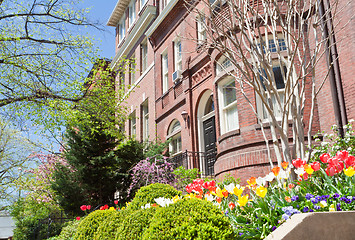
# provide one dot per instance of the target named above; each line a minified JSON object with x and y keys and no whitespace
{"x":45,"y":56}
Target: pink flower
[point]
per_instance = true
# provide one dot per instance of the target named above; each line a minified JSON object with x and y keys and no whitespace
{"x":116,"y":202}
{"x":83,"y":207}
{"x":78,"y":218}
{"x":88,"y":207}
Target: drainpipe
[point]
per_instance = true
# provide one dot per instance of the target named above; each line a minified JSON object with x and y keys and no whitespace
{"x":333,"y":64}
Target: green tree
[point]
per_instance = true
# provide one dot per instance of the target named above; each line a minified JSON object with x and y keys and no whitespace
{"x":45,"y":55}
{"x":14,"y":151}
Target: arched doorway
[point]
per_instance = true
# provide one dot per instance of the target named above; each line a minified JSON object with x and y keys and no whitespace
{"x":207,"y":133}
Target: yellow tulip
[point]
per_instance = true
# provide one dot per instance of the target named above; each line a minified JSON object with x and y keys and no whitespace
{"x":261,"y":191}
{"x":308,"y":169}
{"x":176,"y":198}
{"x":238,"y":191}
{"x":219,"y":192}
{"x":243,"y":200}
{"x":350,"y":171}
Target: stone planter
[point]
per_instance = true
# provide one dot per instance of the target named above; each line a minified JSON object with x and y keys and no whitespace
{"x":320,"y":225}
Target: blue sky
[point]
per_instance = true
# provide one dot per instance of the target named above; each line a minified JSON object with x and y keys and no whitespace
{"x":101,"y":10}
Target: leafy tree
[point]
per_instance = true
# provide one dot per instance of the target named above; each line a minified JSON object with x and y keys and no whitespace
{"x":14,"y":149}
{"x":96,"y":167}
{"x":45,"y":55}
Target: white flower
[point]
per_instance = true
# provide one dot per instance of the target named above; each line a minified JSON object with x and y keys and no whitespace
{"x":323,"y":204}
{"x":300,"y":171}
{"x":209,"y":197}
{"x":146,"y":206}
{"x":270,"y":177}
{"x":163,"y":201}
{"x":260,"y":181}
{"x":284,"y":174}
{"x":230,"y":188}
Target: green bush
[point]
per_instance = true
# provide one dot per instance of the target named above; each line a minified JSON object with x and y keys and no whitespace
{"x":134,"y":224}
{"x":148,"y":193}
{"x":68,"y":231}
{"x":88,"y":226}
{"x":109,"y":227}
{"x":185,"y":176}
{"x":189,"y":219}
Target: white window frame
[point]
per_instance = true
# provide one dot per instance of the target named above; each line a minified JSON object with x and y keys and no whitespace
{"x":263,"y":114}
{"x":133,"y":124}
{"x":165,"y":71}
{"x":131,"y":13}
{"x":145,"y":120}
{"x":144,"y":56}
{"x":174,"y":133}
{"x":201,"y":29}
{"x":122,"y":28}
{"x":177,"y":55}
{"x":225,"y":109}
{"x":222,"y":65}
{"x":132,"y":70}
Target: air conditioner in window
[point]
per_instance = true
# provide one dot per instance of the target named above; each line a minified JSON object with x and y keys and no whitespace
{"x":177,"y":76}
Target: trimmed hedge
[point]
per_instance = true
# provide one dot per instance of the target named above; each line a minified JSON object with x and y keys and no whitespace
{"x":88,"y":226}
{"x":68,"y":231}
{"x":109,"y":226}
{"x":134,"y":224}
{"x":189,"y":219}
{"x":148,"y":193}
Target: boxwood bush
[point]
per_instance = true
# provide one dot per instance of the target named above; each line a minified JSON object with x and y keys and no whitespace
{"x":134,"y":224}
{"x":109,"y":226}
{"x":189,"y":219}
{"x":148,"y":193}
{"x":68,"y":231}
{"x":88,"y":226}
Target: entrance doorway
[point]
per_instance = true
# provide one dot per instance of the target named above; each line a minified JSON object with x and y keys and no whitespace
{"x":209,"y":135}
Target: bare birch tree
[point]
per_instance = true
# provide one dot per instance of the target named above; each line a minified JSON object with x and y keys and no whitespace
{"x":273,"y":47}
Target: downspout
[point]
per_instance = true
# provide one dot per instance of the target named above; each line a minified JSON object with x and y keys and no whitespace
{"x":333,"y":64}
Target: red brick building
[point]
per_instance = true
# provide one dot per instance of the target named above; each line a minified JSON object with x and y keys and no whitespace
{"x":180,"y":93}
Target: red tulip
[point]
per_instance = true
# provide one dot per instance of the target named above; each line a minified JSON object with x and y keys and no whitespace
{"x":298,"y":163}
{"x":350,"y":161}
{"x":83,"y":207}
{"x":343,"y":155}
{"x":78,"y":218}
{"x":189,"y":188}
{"x":231,"y":205}
{"x":315,"y":166}
{"x":88,"y":207}
{"x":330,"y":170}
{"x":116,"y":202}
{"x":324,"y":157}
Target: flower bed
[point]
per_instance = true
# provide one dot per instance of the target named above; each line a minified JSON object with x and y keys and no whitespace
{"x":251,"y":211}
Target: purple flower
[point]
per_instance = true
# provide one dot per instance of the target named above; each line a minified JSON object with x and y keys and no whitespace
{"x":273,"y":228}
{"x":240,"y":234}
{"x":305,"y":209}
{"x":309,"y":196}
{"x":316,"y":207}
{"x":336,"y":195}
{"x":285,"y":216}
{"x":338,"y":207}
{"x":314,"y":200}
{"x":325,"y":197}
{"x":294,"y":198}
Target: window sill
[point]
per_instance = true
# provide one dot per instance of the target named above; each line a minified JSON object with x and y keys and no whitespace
{"x":267,"y":124}
{"x":228,"y":135}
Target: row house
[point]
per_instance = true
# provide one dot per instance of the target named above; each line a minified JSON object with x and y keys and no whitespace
{"x":180,"y":93}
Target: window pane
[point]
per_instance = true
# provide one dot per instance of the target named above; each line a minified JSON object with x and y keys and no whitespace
{"x":229,"y":93}
{"x":279,"y":79}
{"x":231,"y":118}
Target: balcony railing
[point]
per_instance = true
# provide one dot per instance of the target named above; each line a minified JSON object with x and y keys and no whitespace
{"x":207,"y":160}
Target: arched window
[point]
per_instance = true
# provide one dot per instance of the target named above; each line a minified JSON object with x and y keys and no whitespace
{"x":174,"y":134}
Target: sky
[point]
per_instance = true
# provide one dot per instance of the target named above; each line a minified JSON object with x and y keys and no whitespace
{"x":101,"y":10}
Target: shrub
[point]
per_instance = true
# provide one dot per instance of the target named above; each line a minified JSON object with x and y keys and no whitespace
{"x":88,"y":226}
{"x":148,"y":193}
{"x":134,"y":224}
{"x":185,"y":176}
{"x":68,"y":231}
{"x":109,"y":227}
{"x":189,"y":218}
